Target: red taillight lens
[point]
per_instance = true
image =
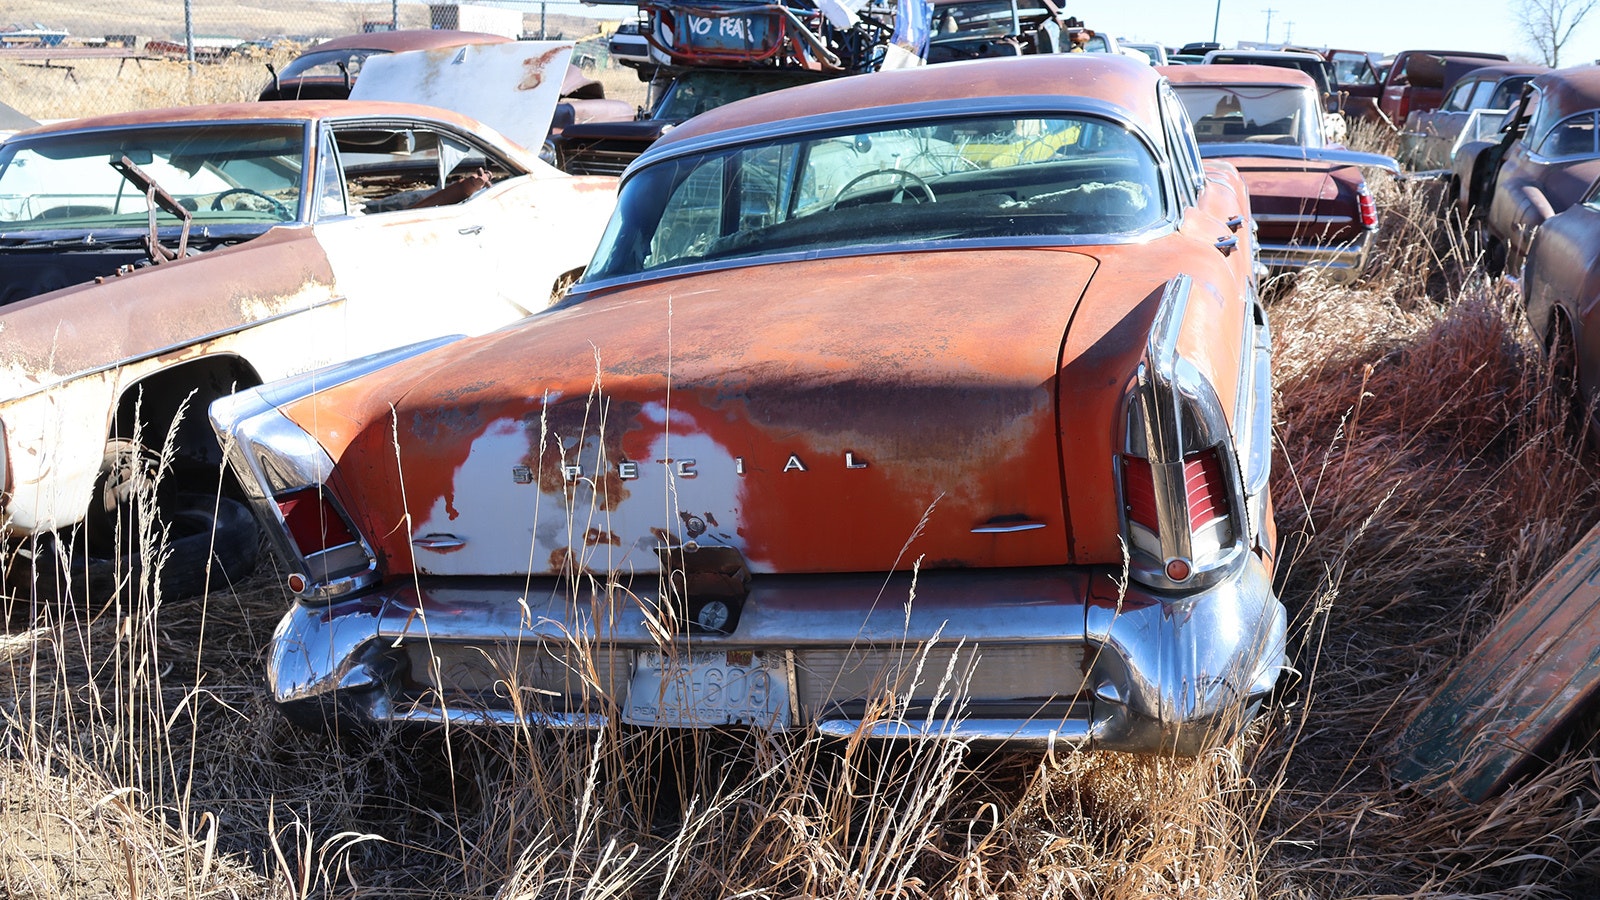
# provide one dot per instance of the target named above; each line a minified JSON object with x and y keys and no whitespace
{"x":1207,"y":490}
{"x":1139,"y":492}
{"x":1208,"y":493}
{"x":1369,"y":207}
{"x":313,"y":522}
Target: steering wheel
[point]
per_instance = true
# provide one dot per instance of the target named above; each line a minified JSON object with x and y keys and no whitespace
{"x":900,"y":193}
{"x":277,"y":206}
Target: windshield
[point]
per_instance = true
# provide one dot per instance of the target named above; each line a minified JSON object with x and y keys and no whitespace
{"x":693,"y":94}
{"x":223,"y":173}
{"x":998,"y":177}
{"x":1252,"y":114}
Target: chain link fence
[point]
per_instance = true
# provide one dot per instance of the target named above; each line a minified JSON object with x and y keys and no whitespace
{"x":70,"y":58}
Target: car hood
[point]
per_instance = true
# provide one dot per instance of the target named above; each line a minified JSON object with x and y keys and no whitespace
{"x":857,"y":414}
{"x":513,"y":88}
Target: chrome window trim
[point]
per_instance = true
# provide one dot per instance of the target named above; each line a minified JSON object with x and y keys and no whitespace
{"x":1041,"y":242}
{"x":903,"y":113}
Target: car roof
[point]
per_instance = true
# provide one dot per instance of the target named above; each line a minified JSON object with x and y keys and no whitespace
{"x":1236,"y":73}
{"x":1266,"y":54}
{"x":1110,"y":79}
{"x":401,"y":41}
{"x":1568,"y":91}
{"x":277,"y":111}
{"x":1510,"y":70}
{"x":1464,"y":54}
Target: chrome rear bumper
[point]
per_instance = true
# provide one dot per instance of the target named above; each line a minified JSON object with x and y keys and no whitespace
{"x":1049,"y":656}
{"x":1343,"y":263}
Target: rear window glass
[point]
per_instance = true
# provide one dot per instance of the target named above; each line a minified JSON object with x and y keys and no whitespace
{"x":953,"y":179}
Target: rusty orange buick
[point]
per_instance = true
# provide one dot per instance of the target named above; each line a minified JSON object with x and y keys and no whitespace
{"x":934,"y":402}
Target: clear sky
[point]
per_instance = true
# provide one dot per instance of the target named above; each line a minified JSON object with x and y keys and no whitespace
{"x":1388,"y":26}
{"x":1384,"y":25}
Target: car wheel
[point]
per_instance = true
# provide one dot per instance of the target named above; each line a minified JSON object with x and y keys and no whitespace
{"x":201,"y":529}
{"x":211,"y":542}
{"x":128,"y":470}
{"x":1562,"y":353}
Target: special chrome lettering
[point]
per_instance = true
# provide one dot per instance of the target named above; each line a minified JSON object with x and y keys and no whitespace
{"x":628,"y":469}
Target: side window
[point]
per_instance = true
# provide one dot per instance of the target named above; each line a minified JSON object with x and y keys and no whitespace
{"x":1352,"y":68}
{"x":1538,"y":121}
{"x":1506,"y":93}
{"x":692,"y":216}
{"x":1574,"y":136}
{"x":403,"y":166}
{"x":1457,"y":101}
{"x":1480,"y":95}
{"x":330,"y":183}
{"x":1182,"y":147}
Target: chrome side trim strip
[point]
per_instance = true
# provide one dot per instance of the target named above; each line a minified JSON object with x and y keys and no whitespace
{"x":1008,"y":529}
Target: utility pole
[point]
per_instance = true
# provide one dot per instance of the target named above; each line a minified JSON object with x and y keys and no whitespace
{"x":1269,"y":11}
{"x":1215,"y":22}
{"x":188,"y":34}
{"x":1288,"y":32}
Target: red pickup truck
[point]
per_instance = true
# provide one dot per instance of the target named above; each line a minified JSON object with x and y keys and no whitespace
{"x":1416,"y":80}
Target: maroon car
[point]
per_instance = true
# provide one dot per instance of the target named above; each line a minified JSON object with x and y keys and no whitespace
{"x":1549,"y":157}
{"x":1561,"y":293}
{"x":1309,"y":197}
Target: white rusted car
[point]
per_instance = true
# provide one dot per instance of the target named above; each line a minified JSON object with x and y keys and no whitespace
{"x":153,"y":261}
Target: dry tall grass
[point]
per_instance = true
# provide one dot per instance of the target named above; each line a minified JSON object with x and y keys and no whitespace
{"x":1427,"y":475}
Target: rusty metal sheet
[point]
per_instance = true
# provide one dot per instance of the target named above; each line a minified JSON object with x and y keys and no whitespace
{"x":1514,"y":693}
{"x":513,"y":88}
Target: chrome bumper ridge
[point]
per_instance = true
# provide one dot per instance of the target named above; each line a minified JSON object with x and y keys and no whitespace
{"x":1051,"y":656}
{"x":1343,"y":263}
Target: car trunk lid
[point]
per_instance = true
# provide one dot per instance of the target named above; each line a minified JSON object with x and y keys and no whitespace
{"x":817,"y":416}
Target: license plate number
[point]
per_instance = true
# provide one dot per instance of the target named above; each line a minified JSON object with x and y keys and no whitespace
{"x":707,"y":688}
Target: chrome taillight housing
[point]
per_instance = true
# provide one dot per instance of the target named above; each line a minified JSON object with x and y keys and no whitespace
{"x":285,"y":472}
{"x":322,"y":534}
{"x":1186,"y":511}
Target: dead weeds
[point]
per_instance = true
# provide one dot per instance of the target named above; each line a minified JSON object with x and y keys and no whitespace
{"x":1427,"y":474}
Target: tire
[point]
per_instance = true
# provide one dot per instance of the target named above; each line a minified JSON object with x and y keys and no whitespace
{"x":209,"y":538}
{"x":203,"y":530}
{"x":1561,"y":352}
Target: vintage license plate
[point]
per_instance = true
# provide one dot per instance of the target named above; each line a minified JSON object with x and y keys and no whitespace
{"x":706,"y":688}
